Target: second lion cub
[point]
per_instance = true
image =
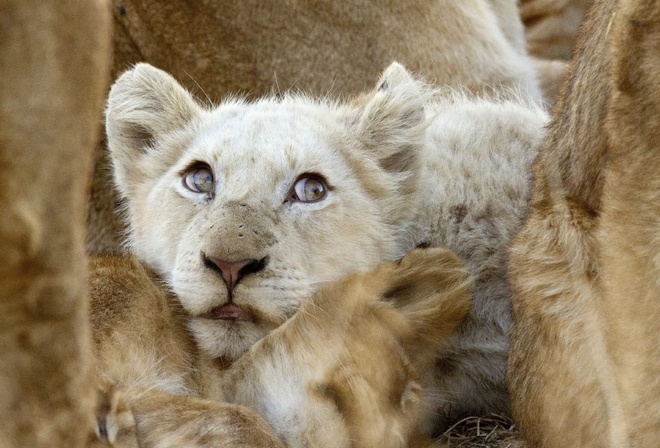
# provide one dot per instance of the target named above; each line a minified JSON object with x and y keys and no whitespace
{"x":343,"y":371}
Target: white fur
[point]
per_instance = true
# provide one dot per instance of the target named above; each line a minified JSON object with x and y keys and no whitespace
{"x":405,"y":166}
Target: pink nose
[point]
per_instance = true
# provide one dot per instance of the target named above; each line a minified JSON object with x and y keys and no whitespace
{"x":233,"y":272}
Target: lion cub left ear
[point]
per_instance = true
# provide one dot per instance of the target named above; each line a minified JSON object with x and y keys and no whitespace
{"x":144,"y":105}
{"x":392,"y":122}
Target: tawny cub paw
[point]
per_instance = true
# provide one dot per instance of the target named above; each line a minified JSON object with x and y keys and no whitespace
{"x":347,"y":369}
{"x":114,"y":423}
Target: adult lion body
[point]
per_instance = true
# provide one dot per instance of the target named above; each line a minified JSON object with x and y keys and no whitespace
{"x":320,"y":47}
{"x":551,"y":29}
{"x":551,"y":26}
{"x":584,"y":367}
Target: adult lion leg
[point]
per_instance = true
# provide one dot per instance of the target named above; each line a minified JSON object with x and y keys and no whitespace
{"x":54,"y":59}
{"x":560,"y":374}
{"x":630,"y":223}
{"x":585,"y":367}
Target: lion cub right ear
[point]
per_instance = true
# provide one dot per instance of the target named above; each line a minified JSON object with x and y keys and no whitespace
{"x":392,"y":121}
{"x":144,"y":104}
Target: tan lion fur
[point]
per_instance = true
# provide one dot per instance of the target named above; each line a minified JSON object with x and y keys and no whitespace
{"x":320,"y":47}
{"x":404,"y":166}
{"x":551,"y":26}
{"x":584,"y":367}
{"x":342,"y":372}
{"x":151,"y":377}
{"x":54,"y":63}
{"x":629,"y":233}
{"x":551,"y":29}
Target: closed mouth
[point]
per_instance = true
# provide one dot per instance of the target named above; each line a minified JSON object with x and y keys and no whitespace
{"x":230,"y":312}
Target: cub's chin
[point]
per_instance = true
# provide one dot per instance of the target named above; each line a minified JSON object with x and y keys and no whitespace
{"x":226,"y":338}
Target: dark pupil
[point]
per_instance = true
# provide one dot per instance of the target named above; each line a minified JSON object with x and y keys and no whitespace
{"x":313,"y":189}
{"x":203,"y":179}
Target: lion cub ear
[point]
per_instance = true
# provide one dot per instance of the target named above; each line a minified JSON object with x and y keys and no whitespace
{"x":392,"y":120}
{"x":433,"y":291}
{"x":144,"y":104}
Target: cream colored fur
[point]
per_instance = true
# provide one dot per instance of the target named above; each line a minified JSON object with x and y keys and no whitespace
{"x":404,"y":166}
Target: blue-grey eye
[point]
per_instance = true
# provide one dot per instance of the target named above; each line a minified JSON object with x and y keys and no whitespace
{"x":309,"y":189}
{"x":199,"y":179}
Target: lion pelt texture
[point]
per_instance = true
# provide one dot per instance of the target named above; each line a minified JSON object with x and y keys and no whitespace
{"x":319,"y":47}
{"x":152,"y":384}
{"x":551,"y":30}
{"x":551,"y":26}
{"x":584,"y":367}
{"x":54,"y":67}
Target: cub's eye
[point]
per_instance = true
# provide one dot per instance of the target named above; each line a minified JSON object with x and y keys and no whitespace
{"x":198,"y":179}
{"x":309,"y":188}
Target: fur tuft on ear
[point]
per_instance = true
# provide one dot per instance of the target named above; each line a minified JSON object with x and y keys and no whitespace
{"x":392,"y":120}
{"x":144,"y":104}
{"x":433,"y":291}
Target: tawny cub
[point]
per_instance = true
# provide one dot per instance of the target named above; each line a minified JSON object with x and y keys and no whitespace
{"x":343,"y":371}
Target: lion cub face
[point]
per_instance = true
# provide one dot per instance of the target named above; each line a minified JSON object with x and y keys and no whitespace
{"x":245,"y":208}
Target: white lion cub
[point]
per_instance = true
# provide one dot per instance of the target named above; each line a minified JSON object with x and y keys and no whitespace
{"x":246,"y":208}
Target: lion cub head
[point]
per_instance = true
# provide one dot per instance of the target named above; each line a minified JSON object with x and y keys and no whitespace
{"x":245,"y":208}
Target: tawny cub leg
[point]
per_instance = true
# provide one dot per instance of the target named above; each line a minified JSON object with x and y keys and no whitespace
{"x":142,"y":350}
{"x":345,"y":370}
{"x":160,"y":420}
{"x":114,"y":423}
{"x":167,"y":421}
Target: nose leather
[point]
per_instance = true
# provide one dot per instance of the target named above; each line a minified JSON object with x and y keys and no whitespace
{"x":231,"y":271}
